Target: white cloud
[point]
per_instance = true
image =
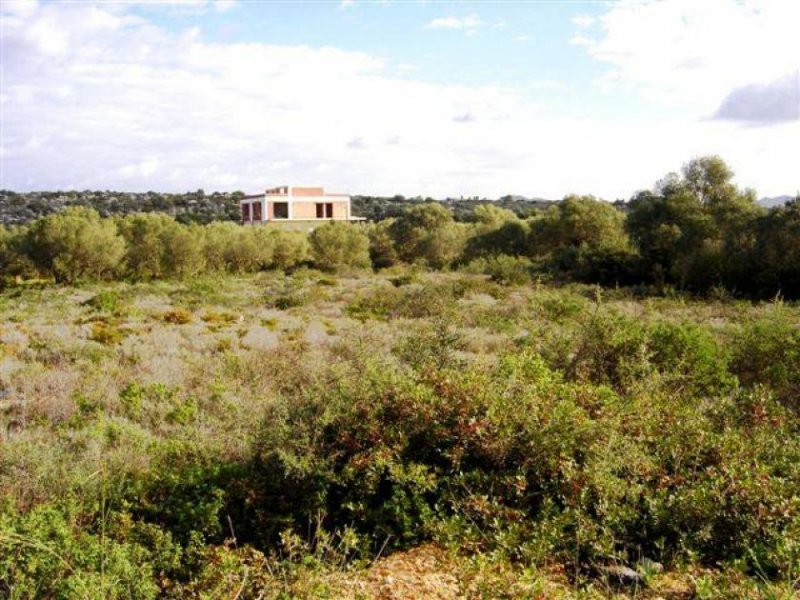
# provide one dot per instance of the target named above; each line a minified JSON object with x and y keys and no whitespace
{"x":225,"y":5}
{"x":143,"y":169}
{"x":120,"y":103}
{"x":583,"y":21}
{"x":19,"y":8}
{"x":345,"y":4}
{"x":581,"y":40}
{"x":468,"y":24}
{"x":692,"y":53}
{"x":763,"y":104}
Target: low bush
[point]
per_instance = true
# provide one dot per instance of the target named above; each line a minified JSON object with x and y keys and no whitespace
{"x":767,"y":351}
{"x":57,"y":552}
{"x":409,"y":301}
{"x":106,"y":333}
{"x":177,"y":316}
{"x":504,"y":269}
{"x":519,"y":460}
{"x":690,"y":358}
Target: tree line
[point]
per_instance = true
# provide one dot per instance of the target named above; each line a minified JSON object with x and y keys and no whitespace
{"x":694,"y":231}
{"x":187,"y":207}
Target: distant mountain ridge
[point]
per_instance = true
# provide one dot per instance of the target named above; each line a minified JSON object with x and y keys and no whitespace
{"x":775,"y":201}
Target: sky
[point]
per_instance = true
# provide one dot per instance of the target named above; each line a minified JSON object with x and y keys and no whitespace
{"x":411,"y":97}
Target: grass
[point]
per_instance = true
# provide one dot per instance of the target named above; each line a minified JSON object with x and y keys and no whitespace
{"x":169,"y":439}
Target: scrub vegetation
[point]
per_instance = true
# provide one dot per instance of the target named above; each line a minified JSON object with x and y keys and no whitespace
{"x":226,"y":412}
{"x":694,"y":232}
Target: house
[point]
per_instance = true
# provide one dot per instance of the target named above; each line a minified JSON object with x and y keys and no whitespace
{"x":304,"y":205}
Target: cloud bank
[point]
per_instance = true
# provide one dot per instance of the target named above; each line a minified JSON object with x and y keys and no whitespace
{"x":95,"y":96}
{"x":763,"y":104}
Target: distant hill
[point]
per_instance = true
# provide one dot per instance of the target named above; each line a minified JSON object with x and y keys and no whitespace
{"x":775,"y":201}
{"x":198,"y":207}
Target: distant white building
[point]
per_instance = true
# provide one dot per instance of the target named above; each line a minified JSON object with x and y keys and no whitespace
{"x":294,"y":203}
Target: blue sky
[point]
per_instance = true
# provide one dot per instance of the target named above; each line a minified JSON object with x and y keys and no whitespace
{"x":499,"y":43}
{"x":411,"y":97}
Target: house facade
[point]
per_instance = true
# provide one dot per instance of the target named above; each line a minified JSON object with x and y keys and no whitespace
{"x":293,"y":203}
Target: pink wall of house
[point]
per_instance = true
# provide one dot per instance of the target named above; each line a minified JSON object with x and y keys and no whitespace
{"x":306,"y":203}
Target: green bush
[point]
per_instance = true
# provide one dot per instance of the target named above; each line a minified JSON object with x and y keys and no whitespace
{"x":75,"y":244}
{"x":690,"y":358}
{"x":108,"y":302}
{"x":504,"y":269}
{"x":183,"y":251}
{"x":412,"y":301}
{"x":515,"y":458}
{"x":63,"y":552}
{"x":382,"y":252}
{"x":291,"y":248}
{"x":767,"y":352}
{"x":14,"y":259}
{"x":427,"y":234}
{"x":335,"y":245}
{"x":146,"y":238}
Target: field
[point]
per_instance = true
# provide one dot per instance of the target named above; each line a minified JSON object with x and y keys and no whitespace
{"x":272,"y":435}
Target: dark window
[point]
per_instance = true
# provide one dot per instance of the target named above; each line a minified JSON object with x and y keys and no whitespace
{"x":329,"y":210}
{"x":256,"y":211}
{"x":320,"y":211}
{"x":245,"y":212}
{"x":280,"y":210}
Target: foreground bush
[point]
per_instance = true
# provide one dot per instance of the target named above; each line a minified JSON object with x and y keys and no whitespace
{"x":543,"y":469}
{"x":179,"y":440}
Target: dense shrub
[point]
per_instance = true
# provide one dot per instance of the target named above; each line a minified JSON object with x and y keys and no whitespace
{"x":339,"y":245}
{"x":520,"y":460}
{"x":382,"y":252}
{"x":75,"y":244}
{"x":775,"y":258}
{"x":146,"y":244}
{"x":13,"y":257}
{"x":291,"y":248}
{"x":427,"y":233}
{"x":411,"y":301}
{"x":690,"y":358}
{"x":184,"y":251}
{"x":508,"y":270}
{"x":497,"y":231}
{"x":56,"y":552}
{"x":767,"y":351}
{"x":534,"y":429}
{"x":693,"y":232}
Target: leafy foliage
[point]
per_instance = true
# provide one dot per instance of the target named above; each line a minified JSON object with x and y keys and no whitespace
{"x":339,"y":245}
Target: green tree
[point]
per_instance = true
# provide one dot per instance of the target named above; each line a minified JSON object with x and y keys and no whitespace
{"x":75,"y":244}
{"x":584,"y":238}
{"x":13,"y":258}
{"x":381,"y":246}
{"x":145,"y":235}
{"x":290,"y":248}
{"x":427,"y":233}
{"x":336,"y":245}
{"x":696,"y":229}
{"x":776,"y":256}
{"x":183,"y":250}
{"x":496,"y":231}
